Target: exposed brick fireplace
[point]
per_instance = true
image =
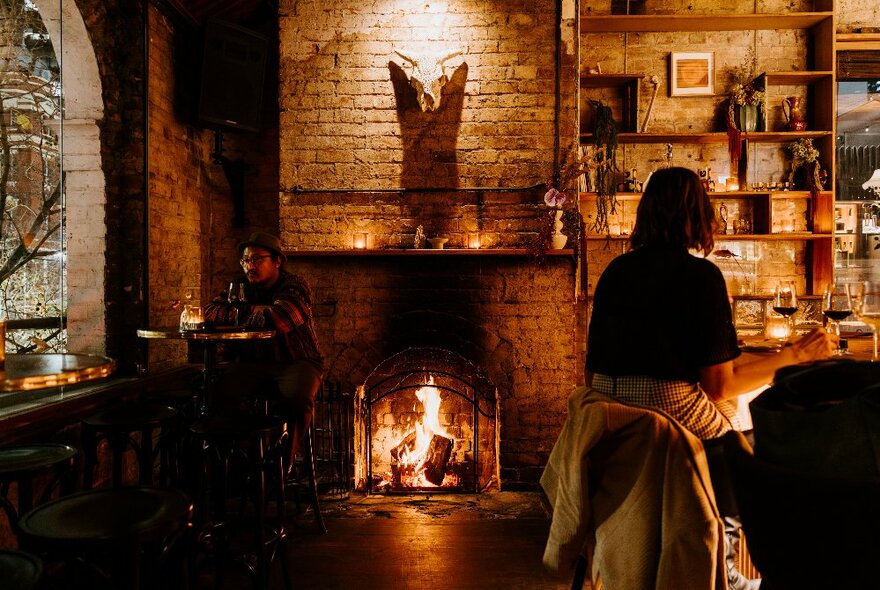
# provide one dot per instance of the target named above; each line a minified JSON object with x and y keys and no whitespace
{"x":514,"y":322}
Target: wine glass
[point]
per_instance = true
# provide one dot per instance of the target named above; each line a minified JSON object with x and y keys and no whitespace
{"x":867,"y":308}
{"x":785,"y":301}
{"x":836,"y":306}
{"x":235,"y":296}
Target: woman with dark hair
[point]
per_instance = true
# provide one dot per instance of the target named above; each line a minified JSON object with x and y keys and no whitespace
{"x":662,"y":333}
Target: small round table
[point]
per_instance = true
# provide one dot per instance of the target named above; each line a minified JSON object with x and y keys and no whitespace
{"x":211,"y":337}
{"x":36,"y":371}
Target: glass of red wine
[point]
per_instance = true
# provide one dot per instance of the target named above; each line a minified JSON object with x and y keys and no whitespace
{"x":785,"y":302}
{"x":836,"y":307}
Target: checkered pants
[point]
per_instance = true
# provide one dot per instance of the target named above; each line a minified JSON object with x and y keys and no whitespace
{"x":684,"y":401}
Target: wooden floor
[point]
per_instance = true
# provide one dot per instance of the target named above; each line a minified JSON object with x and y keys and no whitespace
{"x":441,"y":543}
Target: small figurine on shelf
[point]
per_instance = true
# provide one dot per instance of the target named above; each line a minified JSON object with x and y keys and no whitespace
{"x":710,"y":186}
{"x":419,"y":241}
{"x":635,"y":185}
{"x":722,"y":218}
{"x":703,"y":173}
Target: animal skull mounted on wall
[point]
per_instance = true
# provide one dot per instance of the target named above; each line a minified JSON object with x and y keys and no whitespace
{"x":427,"y":76}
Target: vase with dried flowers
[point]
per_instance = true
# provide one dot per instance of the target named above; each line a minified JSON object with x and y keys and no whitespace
{"x":805,"y":171}
{"x":744,"y":106}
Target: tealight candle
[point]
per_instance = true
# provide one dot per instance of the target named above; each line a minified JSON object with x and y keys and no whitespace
{"x":360,"y":240}
{"x":777,"y":328}
{"x":473,"y":240}
{"x":732,"y":184}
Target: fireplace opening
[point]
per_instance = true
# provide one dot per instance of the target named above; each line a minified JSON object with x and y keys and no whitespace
{"x":426,"y":422}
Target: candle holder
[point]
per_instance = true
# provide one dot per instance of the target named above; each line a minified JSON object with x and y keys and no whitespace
{"x":360,"y":240}
{"x":473,"y":240}
{"x":777,"y":328}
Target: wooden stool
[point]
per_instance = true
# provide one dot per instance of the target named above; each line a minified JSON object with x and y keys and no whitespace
{"x":117,"y":425}
{"x":112,"y":528}
{"x":20,"y":570}
{"x":22,"y":464}
{"x":251,"y":448}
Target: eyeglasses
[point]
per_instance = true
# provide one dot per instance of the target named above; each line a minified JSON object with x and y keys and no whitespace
{"x":253,"y":260}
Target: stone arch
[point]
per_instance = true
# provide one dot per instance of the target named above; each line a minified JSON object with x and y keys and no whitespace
{"x":84,"y":181}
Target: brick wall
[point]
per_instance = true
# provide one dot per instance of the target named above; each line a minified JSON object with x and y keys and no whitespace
{"x":191,"y":237}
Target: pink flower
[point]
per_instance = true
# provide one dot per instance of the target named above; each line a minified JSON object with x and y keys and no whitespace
{"x":554,"y":198}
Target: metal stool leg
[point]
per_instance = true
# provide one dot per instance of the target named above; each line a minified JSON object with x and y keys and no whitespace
{"x":309,"y":461}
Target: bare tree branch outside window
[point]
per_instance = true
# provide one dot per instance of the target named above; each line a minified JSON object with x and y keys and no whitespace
{"x":32,"y":259}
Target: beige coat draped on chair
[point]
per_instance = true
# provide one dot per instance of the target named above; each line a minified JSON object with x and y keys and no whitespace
{"x":631,"y":486}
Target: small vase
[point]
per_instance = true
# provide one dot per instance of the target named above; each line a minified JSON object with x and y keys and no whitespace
{"x":746,"y":117}
{"x":558,"y":239}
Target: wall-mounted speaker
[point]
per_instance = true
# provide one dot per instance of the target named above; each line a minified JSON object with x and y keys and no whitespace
{"x":233,"y":69}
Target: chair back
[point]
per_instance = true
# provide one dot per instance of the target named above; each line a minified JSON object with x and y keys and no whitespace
{"x":805,"y":530}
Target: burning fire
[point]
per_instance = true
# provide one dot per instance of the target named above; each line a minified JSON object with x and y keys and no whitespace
{"x":420,"y":460}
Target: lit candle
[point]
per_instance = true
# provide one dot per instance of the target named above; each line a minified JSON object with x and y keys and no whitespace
{"x":732,"y":184}
{"x":777,"y":328}
{"x":360,"y":240}
{"x":473,"y":240}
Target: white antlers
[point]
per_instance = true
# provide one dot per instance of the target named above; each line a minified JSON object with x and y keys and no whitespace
{"x":428,"y":70}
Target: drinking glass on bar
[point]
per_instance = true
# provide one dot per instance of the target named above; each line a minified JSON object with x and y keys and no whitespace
{"x":867,"y":308}
{"x":836,"y":307}
{"x":785,"y":301}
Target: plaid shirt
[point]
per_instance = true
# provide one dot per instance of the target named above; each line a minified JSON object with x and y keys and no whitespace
{"x":286,"y":306}
{"x":684,"y":401}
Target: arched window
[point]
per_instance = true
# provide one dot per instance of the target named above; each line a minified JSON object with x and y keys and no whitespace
{"x":51,"y":184}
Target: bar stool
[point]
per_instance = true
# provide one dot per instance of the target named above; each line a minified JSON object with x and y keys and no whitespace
{"x":20,"y":570}
{"x":22,"y":464}
{"x":176,"y":433}
{"x":117,"y":426}
{"x":239,"y":454}
{"x":111,"y":529}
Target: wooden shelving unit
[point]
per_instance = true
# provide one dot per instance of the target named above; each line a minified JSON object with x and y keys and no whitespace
{"x":819,"y":79}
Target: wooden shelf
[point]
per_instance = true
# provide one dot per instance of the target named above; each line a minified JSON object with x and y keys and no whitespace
{"x":609,"y":80}
{"x":693,"y":22}
{"x":709,"y":138}
{"x":423,"y":252}
{"x":794,"y":78}
{"x":791,"y":236}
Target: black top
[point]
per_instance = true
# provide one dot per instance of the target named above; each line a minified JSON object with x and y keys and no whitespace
{"x":660,"y":312}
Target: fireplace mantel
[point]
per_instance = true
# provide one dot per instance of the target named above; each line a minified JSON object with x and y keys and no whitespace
{"x":424,"y":252}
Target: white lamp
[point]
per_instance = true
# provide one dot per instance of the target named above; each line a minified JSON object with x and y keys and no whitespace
{"x":873,"y":183}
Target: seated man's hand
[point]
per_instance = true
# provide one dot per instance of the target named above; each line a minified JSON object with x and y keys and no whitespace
{"x":219,"y":313}
{"x":256,"y":316}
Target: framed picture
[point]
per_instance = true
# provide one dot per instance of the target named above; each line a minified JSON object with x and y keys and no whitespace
{"x":692,"y":73}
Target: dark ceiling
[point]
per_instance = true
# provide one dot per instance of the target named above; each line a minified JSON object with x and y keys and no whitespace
{"x":243,"y":12}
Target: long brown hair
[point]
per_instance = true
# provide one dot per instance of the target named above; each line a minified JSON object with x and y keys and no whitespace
{"x":675,"y":210}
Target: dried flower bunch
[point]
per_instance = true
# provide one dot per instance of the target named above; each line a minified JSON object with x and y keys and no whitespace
{"x":743,"y":91}
{"x":803,"y":151}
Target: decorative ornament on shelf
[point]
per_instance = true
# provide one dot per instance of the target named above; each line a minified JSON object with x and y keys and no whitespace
{"x":805,"y":158}
{"x":554,"y":199}
{"x":744,"y":105}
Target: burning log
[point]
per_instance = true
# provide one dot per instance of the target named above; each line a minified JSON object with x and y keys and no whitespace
{"x":433,"y":462}
{"x":438,"y":455}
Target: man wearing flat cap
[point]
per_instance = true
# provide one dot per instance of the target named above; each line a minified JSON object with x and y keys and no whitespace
{"x":274,"y":298}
